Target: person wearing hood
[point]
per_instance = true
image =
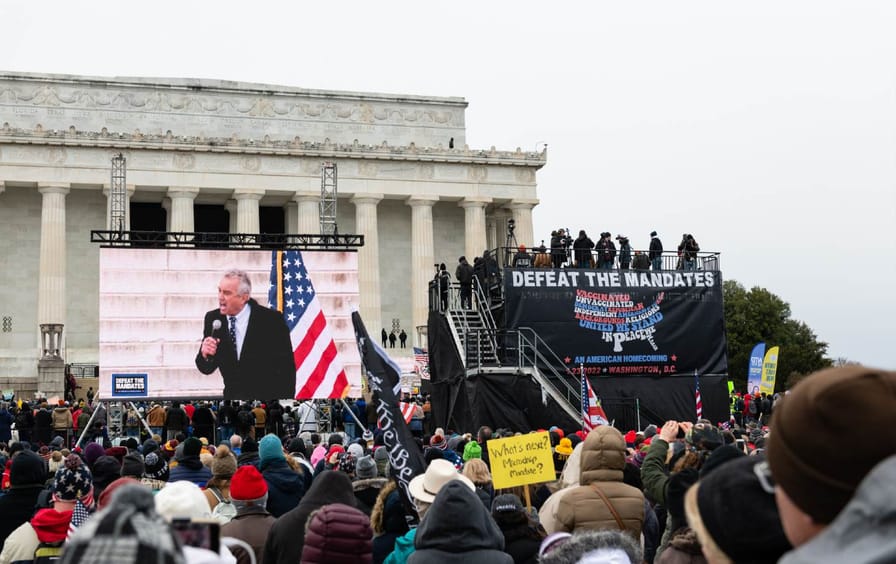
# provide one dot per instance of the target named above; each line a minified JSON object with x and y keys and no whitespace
{"x":296,"y":449}
{"x":43,"y":424}
{"x":248,"y":453}
{"x":189,"y":467}
{"x":569,"y":478}
{"x":287,"y":536}
{"x":286,"y":486}
{"x":337,"y":533}
{"x":602,"y":500}
{"x":73,"y":487}
{"x":388,"y":521}
{"x":458,"y":528}
{"x":27,"y":474}
{"x":625,"y":252}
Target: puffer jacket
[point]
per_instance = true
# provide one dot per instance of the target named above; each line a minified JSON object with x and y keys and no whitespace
{"x":569,"y":479}
{"x":62,"y":418}
{"x":582,"y":509}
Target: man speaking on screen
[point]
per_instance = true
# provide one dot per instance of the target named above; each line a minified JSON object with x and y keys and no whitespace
{"x":248,"y":343}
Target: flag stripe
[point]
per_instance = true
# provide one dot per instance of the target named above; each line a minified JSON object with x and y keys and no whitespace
{"x":320,"y":373}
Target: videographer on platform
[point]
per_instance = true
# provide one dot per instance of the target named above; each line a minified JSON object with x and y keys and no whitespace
{"x":522,"y":259}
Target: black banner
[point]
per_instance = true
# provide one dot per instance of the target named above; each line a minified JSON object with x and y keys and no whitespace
{"x":619,"y":323}
{"x":405,"y":459}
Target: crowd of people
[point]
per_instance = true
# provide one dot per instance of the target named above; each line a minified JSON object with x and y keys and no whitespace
{"x":583,"y":252}
{"x":812,"y":484}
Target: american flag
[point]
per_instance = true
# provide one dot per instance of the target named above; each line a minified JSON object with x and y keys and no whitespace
{"x":421,"y":357}
{"x":319,"y":370}
{"x":592,"y":412}
{"x":699,"y":398}
{"x":407,"y":410}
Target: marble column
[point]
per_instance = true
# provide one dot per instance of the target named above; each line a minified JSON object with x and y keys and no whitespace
{"x":491,"y":231}
{"x":422,"y":257}
{"x":369,"y":258}
{"x":521,"y":211}
{"x":309,"y":213}
{"x":247,"y":220}
{"x":180,"y":209}
{"x":51,"y":281}
{"x":474,"y":226}
{"x":107,"y":192}
{"x":230,"y":206}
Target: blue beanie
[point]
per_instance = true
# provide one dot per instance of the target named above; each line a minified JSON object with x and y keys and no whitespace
{"x":270,"y":448}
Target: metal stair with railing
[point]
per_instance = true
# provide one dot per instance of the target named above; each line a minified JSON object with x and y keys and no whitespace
{"x":485,"y":349}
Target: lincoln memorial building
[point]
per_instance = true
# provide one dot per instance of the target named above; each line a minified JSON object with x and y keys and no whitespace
{"x":231,"y":157}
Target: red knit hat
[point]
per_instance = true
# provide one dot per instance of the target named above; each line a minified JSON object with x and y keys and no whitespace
{"x":247,"y":483}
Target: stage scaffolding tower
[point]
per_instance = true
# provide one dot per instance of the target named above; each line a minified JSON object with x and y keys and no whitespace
{"x":118,"y":194}
{"x":328,"y":198}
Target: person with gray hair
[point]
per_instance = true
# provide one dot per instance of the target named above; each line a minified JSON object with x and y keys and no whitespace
{"x":593,"y":547}
{"x":248,"y":343}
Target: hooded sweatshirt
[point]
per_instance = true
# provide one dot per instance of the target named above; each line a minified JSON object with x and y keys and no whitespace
{"x":286,"y":539}
{"x":457,"y":528}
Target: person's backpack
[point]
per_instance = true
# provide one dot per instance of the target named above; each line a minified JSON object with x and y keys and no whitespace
{"x":738,"y":405}
{"x":225,"y":510}
{"x":48,"y":552}
{"x":754,"y":407}
{"x":21,"y":419}
{"x":245,"y":419}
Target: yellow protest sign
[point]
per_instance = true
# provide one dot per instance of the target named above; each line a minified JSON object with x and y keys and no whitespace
{"x":516,"y":461}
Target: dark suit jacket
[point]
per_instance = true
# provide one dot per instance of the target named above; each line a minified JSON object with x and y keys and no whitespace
{"x":266,"y":369}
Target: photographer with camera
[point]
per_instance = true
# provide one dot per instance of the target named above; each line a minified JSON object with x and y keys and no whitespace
{"x":560,"y":243}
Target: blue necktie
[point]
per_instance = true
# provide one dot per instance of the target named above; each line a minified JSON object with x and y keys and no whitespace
{"x":232,"y":320}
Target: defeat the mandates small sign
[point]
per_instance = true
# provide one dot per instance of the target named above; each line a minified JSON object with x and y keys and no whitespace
{"x":516,"y":461}
{"x":128,"y":385}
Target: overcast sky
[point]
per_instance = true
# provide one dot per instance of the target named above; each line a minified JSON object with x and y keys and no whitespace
{"x":766,"y":129}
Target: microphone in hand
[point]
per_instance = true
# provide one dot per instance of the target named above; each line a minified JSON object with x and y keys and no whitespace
{"x":210,"y":343}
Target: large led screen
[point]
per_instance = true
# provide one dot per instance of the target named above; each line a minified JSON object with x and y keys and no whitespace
{"x":157,"y":306}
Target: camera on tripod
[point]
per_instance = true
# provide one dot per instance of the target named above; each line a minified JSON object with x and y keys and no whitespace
{"x":511,"y":225}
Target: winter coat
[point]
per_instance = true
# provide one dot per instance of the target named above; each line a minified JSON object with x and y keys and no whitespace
{"x":864,"y":531}
{"x":582,"y":248}
{"x":625,"y":252}
{"x":156,"y":416}
{"x":62,"y":418}
{"x":464,"y":273}
{"x":204,"y":423}
{"x":457,"y":528}
{"x":344,"y":537}
{"x":252,"y":525}
{"x":656,"y":248}
{"x":16,"y":507}
{"x":6,"y":421}
{"x":176,"y":419}
{"x":366,"y":492}
{"x":603,"y":459}
{"x":287,"y":537}
{"x":190,"y":469}
{"x":43,"y":421}
{"x":569,"y":479}
{"x":285,"y":486}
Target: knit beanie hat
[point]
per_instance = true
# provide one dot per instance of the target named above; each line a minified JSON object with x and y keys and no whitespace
{"x":438,"y":441}
{"x":849,"y":405}
{"x":182,"y":500}
{"x":155,"y":467}
{"x":326,"y":541}
{"x":92,"y":452}
{"x":720,"y":456}
{"x":296,"y":446}
{"x":565,"y":447}
{"x":365,"y":468}
{"x":169,"y":448}
{"x":270,"y":448}
{"x":192,"y":447}
{"x":247,"y":484}
{"x":733,"y":508}
{"x":106,"y":496}
{"x":249,"y":445}
{"x":132,"y":465}
{"x":472,"y":450}
{"x":223,"y":463}
{"x":346,"y":462}
{"x":649,"y":431}
{"x":105,"y":470}
{"x":27,"y":469}
{"x":118,"y":453}
{"x":381,"y":457}
{"x":149,"y":446}
{"x":73,"y":481}
{"x":355,"y":450}
{"x":128,"y":529}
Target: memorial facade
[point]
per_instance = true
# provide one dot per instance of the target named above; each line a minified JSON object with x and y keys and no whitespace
{"x":209,"y":155}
